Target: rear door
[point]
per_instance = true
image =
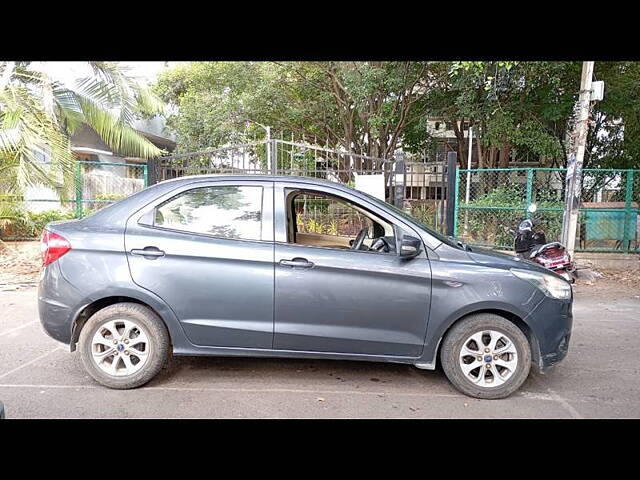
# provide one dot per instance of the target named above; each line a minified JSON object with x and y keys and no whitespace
{"x":207,"y":250}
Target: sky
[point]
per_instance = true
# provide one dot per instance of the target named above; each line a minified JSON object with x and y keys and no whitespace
{"x":68,"y":72}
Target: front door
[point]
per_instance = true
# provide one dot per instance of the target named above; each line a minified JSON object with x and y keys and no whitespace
{"x":332,"y":298}
{"x":207,"y":251}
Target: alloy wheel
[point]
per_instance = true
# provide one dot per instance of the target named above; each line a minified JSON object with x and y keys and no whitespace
{"x":488,"y":358}
{"x":120,"y":347}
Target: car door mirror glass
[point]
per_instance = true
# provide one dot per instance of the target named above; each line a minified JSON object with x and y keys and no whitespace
{"x":409,"y":247}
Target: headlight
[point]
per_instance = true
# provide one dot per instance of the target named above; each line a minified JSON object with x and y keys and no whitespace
{"x":550,"y":285}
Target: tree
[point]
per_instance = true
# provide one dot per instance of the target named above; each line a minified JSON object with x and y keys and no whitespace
{"x":362,"y":107}
{"x":38,"y":114}
{"x":614,"y":134}
{"x":515,"y":108}
{"x":518,"y":110}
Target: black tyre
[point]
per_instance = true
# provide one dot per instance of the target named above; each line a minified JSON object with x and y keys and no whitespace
{"x":124,"y":345}
{"x":486,"y":356}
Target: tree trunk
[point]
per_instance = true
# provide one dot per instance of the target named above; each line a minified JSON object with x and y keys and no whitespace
{"x":503,"y":177}
{"x":504,"y":155}
{"x":491,"y":179}
{"x":461,"y":143}
{"x":479,"y":149}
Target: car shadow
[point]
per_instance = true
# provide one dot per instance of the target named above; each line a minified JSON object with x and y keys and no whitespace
{"x":284,"y":372}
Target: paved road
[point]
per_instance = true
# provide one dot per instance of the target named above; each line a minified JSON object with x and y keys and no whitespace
{"x":600,"y":378}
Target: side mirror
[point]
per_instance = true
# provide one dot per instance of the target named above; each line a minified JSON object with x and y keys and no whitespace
{"x":409,"y":247}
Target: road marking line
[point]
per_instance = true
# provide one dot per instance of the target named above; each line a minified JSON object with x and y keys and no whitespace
{"x":574,"y":413}
{"x":235,"y":390}
{"x":303,"y":391}
{"x":528,"y":395}
{"x":29,"y":363}
{"x":6,"y":332}
{"x":557,"y":398}
{"x":537,"y":396}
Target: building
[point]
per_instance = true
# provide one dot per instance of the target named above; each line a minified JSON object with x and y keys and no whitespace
{"x":105,"y":173}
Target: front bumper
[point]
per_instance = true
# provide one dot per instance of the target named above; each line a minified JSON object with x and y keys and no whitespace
{"x":551,"y":323}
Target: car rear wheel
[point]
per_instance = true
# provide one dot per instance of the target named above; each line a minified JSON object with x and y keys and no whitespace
{"x":124,"y":345}
{"x":486,"y":356}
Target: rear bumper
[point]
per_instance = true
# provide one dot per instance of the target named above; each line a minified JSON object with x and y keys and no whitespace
{"x":56,"y":301}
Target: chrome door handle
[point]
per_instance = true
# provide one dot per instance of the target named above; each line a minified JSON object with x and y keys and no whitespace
{"x":296,"y":263}
{"x":148,"y":252}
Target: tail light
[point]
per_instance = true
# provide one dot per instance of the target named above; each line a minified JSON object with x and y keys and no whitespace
{"x":53,"y":246}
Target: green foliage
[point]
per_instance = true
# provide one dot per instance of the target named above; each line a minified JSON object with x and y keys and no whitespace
{"x":17,"y":222}
{"x":38,"y":114}
{"x":489,"y":226}
{"x":41,"y":219}
{"x":322,"y":224}
{"x":424,"y":213}
{"x":363,"y":107}
{"x":524,"y":108}
{"x":110,"y":197}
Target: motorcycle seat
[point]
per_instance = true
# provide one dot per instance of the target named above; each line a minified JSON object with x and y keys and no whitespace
{"x":541,"y":248}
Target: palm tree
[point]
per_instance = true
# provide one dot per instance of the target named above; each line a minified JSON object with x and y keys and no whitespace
{"x":39,"y":113}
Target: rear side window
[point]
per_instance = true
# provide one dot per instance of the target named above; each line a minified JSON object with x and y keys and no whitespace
{"x":224,"y":211}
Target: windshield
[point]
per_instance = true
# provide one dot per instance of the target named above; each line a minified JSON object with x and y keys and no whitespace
{"x":411,"y":219}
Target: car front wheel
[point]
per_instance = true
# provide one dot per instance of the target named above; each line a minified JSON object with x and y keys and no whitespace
{"x":124,"y":345}
{"x":486,"y":356}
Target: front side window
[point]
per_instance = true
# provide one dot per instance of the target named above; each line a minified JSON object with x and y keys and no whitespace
{"x":321,"y":220}
{"x":327,"y":215}
{"x":222,"y":211}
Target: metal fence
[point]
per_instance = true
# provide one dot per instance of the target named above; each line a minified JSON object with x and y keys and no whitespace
{"x":94,"y":185}
{"x":490,"y":201}
{"x":425,"y":192}
{"x":98,"y":184}
{"x":276,"y":157}
{"x":417,"y":186}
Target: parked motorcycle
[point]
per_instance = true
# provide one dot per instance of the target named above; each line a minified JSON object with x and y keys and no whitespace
{"x":532,"y":245}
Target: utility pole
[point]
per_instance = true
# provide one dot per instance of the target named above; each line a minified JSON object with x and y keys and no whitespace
{"x":576,"y":157}
{"x":466,"y":197}
{"x":268,"y":129}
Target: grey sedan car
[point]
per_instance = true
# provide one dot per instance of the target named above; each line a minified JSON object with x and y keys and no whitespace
{"x":292,"y":267}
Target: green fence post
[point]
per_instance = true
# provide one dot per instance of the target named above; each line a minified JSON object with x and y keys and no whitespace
{"x":455,"y":208}
{"x":145,"y":170}
{"x":529,"y":191}
{"x":628,"y":196}
{"x":78,"y":190}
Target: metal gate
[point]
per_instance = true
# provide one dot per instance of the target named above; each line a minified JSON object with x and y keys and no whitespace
{"x":276,"y":157}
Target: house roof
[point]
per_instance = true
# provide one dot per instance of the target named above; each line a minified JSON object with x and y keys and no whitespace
{"x":85,"y":139}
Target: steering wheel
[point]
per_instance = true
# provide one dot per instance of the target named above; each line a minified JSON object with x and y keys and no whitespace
{"x":359,"y":240}
{"x":380,"y":245}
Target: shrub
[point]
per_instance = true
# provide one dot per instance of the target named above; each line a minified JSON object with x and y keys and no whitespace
{"x":424,"y":212}
{"x":110,"y":197}
{"x":17,"y":222}
{"x":41,"y":219}
{"x":490,"y":226}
